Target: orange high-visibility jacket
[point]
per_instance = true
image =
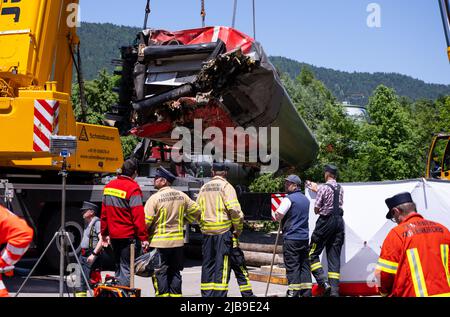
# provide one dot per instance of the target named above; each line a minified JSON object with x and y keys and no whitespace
{"x":414,"y":259}
{"x":17,"y":235}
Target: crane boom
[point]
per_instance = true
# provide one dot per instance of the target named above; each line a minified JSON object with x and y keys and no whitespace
{"x":33,"y":40}
{"x":37,"y":39}
{"x":445,"y":14}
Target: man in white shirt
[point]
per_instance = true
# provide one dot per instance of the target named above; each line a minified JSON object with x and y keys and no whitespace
{"x":294,"y":215}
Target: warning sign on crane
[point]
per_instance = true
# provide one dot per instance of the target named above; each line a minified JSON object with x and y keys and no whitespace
{"x":83,"y":135}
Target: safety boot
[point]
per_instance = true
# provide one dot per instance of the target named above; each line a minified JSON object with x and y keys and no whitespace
{"x":334,"y":291}
{"x":306,"y":293}
{"x":326,"y":289}
{"x":292,"y":293}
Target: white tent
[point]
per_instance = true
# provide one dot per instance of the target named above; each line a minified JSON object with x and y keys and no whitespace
{"x":366,"y":225}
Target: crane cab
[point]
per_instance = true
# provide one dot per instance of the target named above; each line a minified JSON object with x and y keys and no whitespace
{"x":438,"y":165}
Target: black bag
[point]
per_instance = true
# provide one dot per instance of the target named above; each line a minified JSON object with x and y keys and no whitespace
{"x":145,"y":265}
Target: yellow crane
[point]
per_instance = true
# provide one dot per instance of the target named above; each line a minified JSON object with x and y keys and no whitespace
{"x":37,"y":41}
{"x":445,"y":13}
{"x":438,"y":161}
{"x":38,"y":44}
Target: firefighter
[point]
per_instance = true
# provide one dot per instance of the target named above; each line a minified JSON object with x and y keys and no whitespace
{"x":329,"y":232}
{"x":17,"y":235}
{"x":123,"y":219}
{"x":91,"y":245}
{"x":414,"y":259}
{"x":240,"y":270}
{"x":221,"y":220}
{"x":294,"y":215}
{"x":165,"y":214}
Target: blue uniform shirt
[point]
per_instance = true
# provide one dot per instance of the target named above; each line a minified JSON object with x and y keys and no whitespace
{"x":295,"y":222}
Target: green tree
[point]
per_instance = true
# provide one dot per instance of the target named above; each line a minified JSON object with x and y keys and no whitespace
{"x":99,"y":98}
{"x":310,"y":97}
{"x":357,"y":87}
{"x":391,"y":146}
{"x":425,"y":114}
{"x":267,"y":183}
{"x":337,"y":137}
{"x":334,"y":130}
{"x":388,"y":144}
{"x":443,"y":119}
{"x":306,"y":76}
{"x":128,"y":145}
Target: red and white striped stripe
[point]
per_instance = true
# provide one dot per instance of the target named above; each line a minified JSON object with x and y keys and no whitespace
{"x":216,"y":33}
{"x":46,"y":123}
{"x":276,"y":202}
{"x":11,"y":254}
{"x":3,"y":290}
{"x":2,"y":286}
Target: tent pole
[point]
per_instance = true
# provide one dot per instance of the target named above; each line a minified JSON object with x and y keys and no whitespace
{"x":424,"y":183}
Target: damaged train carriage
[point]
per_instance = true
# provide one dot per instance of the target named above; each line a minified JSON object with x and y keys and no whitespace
{"x":216,"y":74}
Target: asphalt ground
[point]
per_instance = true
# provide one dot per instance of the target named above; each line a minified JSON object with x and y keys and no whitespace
{"x":43,"y":285}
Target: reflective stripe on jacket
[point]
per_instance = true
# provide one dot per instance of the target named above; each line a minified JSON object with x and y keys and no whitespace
{"x":122,"y":210}
{"x":220,"y":208}
{"x":16,"y":234}
{"x":165,"y":214}
{"x":414,"y":259}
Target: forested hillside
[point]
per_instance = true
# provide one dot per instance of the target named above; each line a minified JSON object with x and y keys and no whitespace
{"x":101,"y":43}
{"x":357,"y":87}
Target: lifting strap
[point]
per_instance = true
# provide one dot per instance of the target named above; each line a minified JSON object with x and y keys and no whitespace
{"x":148,"y":10}
{"x":254,"y":20}
{"x":233,"y":23}
{"x":203,"y":13}
{"x":80,"y":80}
{"x":234,"y":13}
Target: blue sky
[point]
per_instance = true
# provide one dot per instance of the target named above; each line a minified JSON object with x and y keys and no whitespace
{"x":327,"y":33}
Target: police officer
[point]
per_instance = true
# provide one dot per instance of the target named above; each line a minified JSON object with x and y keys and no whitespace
{"x":221,"y":220}
{"x":165,"y":214}
{"x":329,"y":232}
{"x":294,"y":215}
{"x":91,"y":245}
